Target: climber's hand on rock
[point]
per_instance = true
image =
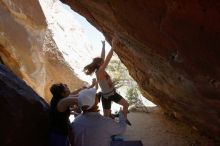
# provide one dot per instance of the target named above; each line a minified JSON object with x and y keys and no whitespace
{"x":103,"y":43}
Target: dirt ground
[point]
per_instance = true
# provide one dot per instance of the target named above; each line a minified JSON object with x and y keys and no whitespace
{"x":155,"y":129}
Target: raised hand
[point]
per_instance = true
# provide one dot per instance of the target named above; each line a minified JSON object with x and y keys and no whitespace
{"x":103,"y":50}
{"x":103,"y":43}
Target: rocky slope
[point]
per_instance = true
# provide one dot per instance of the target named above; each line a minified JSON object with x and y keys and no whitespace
{"x":171,"y":48}
{"x":27,"y":47}
{"x":24,"y":115}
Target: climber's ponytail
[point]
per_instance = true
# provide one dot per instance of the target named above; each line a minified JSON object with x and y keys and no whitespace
{"x":92,"y":67}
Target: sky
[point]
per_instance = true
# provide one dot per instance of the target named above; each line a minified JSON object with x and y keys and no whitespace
{"x":93,"y":35}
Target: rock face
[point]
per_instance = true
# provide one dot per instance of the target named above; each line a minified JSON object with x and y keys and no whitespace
{"x":171,"y":48}
{"x":27,"y":47}
{"x":24,"y":114}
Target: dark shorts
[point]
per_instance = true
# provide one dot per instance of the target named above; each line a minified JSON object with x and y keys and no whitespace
{"x":106,"y":102}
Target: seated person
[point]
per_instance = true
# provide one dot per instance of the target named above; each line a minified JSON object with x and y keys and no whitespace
{"x":90,"y":128}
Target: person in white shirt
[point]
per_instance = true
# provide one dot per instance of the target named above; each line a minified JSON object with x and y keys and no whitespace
{"x":90,"y":128}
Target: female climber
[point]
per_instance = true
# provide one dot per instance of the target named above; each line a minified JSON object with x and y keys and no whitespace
{"x":109,"y":93}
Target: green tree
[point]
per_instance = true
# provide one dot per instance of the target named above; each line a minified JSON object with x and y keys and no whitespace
{"x":123,"y":81}
{"x":133,"y":95}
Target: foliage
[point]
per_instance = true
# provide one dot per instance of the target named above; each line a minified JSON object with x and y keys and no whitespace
{"x":120,"y":74}
{"x":133,"y":95}
{"x":122,"y":79}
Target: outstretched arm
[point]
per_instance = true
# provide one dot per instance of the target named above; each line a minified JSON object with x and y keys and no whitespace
{"x":94,"y":83}
{"x":103,"y":50}
{"x":65,"y":103}
{"x":78,"y":90}
{"x":108,"y":58}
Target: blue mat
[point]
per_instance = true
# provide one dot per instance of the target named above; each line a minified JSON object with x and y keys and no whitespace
{"x":126,"y":143}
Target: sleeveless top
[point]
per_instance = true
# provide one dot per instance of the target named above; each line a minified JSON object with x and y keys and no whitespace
{"x":59,"y":121}
{"x":106,"y":87}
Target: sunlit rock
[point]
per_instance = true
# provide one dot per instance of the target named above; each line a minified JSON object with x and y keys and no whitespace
{"x":27,"y":47}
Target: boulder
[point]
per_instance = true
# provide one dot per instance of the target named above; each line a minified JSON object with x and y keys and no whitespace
{"x":24,"y":114}
{"x":28,"y":49}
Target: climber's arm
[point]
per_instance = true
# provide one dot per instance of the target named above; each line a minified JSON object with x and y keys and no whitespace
{"x":103,"y":50}
{"x":107,"y":60}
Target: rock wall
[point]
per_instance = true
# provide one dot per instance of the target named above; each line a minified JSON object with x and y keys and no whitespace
{"x":24,"y":115}
{"x":171,"y":48}
{"x":27,"y":47}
